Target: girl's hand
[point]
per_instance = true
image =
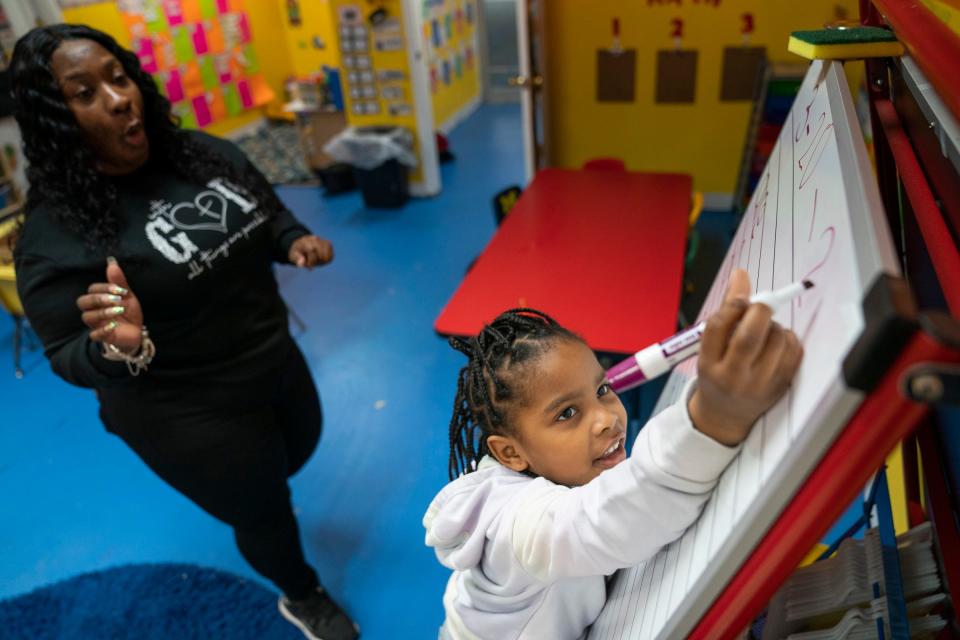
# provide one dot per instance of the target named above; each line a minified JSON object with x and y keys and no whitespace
{"x":112,"y":312}
{"x":746,"y":363}
{"x":310,"y":251}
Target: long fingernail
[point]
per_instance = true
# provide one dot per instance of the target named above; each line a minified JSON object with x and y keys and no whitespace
{"x":115,"y":311}
{"x":120,"y":291}
{"x":111,"y":260}
{"x":110,"y":326}
{"x":109,"y":298}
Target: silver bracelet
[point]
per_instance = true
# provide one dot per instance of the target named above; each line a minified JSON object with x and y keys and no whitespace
{"x":138,"y":362}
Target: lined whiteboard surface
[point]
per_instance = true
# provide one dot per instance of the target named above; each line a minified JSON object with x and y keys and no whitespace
{"x":816,"y":215}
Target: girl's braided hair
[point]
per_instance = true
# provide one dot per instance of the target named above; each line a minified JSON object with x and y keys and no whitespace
{"x":484,"y":386}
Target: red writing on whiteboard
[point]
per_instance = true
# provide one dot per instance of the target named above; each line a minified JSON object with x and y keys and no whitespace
{"x":810,"y":157}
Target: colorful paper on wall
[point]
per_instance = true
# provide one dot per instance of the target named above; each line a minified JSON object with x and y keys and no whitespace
{"x":192,"y":79}
{"x":224,"y":68}
{"x":201,"y":111}
{"x":214,"y":35}
{"x":163,"y":51}
{"x":190,"y":9}
{"x":261,"y":91}
{"x":445,"y":71}
{"x":136,"y":26}
{"x":154,"y":17}
{"x":232,"y":99}
{"x":182,"y":44}
{"x":218,"y":106}
{"x":174,"y":12}
{"x":201,"y":54}
{"x":249,"y":57}
{"x":146,"y":54}
{"x":243,"y":24}
{"x":184,"y":111}
{"x":208,"y":9}
{"x":173,"y":86}
{"x":246,"y":97}
{"x":208,"y":72}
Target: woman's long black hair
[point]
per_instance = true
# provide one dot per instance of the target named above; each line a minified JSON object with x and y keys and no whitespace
{"x":61,"y":169}
{"x":486,"y":385}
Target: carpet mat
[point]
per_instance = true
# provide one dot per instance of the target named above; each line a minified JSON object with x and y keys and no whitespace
{"x":147,"y":602}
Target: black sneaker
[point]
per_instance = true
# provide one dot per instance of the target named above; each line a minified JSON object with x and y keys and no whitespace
{"x":319,"y":617}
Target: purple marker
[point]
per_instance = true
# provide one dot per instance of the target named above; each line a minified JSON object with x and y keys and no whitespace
{"x":659,"y":358}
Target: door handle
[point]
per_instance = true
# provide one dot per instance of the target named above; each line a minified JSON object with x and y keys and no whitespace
{"x":525,"y":82}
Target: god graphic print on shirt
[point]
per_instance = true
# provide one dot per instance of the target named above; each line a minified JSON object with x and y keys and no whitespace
{"x":179,"y":230}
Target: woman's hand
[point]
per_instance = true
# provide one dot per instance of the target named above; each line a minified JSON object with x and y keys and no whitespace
{"x":746,"y":363}
{"x":310,"y":251}
{"x":112,"y":311}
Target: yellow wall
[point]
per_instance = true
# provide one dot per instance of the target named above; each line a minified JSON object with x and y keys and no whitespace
{"x":269,"y":38}
{"x":704,"y":138}
{"x":450,"y":98}
{"x":316,"y":19}
{"x":103,"y":16}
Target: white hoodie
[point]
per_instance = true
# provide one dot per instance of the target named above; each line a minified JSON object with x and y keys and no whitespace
{"x":529,"y":556}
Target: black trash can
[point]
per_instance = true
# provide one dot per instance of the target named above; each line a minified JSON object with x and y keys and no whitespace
{"x":384,"y":187}
{"x":381,"y":158}
{"x":337,"y":178}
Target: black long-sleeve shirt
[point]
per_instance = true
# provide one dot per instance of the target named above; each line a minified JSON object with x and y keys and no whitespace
{"x":198,"y":257}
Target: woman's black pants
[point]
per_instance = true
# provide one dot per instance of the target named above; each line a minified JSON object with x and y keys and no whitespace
{"x":230,"y":448}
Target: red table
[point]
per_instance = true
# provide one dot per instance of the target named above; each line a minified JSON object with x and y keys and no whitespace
{"x":600,"y":251}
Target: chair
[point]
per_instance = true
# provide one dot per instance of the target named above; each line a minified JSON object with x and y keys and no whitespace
{"x":693,"y":244}
{"x":503,"y":202}
{"x":10,"y":301}
{"x":693,"y":238}
{"x":605,"y":164}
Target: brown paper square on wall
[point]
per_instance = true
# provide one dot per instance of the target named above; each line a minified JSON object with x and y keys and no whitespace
{"x":742,"y":67}
{"x":676,"y":75}
{"x":616,"y":73}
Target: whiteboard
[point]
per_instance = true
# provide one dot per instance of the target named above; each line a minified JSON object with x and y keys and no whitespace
{"x":815,"y":214}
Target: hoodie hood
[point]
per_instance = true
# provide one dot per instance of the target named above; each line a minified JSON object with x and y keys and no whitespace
{"x":460,"y":517}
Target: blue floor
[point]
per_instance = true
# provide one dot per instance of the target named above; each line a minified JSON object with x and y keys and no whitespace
{"x":75,"y":499}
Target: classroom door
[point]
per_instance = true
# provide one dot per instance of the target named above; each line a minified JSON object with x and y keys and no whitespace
{"x":531,"y":45}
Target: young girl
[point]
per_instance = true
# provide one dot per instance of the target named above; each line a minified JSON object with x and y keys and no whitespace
{"x":540,"y":507}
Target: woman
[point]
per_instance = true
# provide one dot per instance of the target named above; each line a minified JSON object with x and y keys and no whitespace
{"x":130,"y":220}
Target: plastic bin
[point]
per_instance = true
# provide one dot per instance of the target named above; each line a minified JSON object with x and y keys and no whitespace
{"x":384,"y":187}
{"x":381,"y":158}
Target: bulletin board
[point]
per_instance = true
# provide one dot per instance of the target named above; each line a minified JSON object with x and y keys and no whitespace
{"x":450,"y":43}
{"x":201,"y":54}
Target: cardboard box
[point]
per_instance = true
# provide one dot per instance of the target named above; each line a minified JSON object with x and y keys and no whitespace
{"x":315,"y":129}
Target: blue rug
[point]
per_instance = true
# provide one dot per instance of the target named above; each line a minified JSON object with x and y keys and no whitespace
{"x":149,"y":602}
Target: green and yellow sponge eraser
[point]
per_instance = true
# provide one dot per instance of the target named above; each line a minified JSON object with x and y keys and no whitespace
{"x":852,"y":43}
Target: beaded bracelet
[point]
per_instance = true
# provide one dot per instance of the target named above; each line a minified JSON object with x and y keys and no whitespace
{"x":137,"y":363}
